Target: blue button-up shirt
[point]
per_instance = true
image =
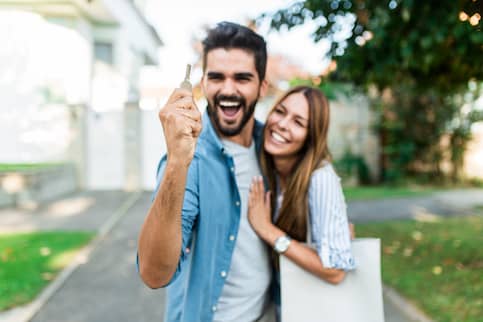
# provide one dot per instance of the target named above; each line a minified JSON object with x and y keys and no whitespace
{"x":210,"y":219}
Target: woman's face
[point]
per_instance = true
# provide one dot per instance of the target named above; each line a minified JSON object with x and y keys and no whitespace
{"x":287,"y":127}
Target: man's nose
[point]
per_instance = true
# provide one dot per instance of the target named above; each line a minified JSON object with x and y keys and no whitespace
{"x":229,"y":87}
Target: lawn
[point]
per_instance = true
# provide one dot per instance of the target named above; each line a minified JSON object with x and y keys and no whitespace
{"x":438,"y":265}
{"x":383,"y":192}
{"x":29,"y":261}
{"x":8,"y":167}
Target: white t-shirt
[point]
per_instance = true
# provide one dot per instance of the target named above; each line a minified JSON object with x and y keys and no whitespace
{"x":246,"y":290}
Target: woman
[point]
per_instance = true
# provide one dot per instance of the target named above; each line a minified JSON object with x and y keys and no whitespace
{"x":309,"y":199}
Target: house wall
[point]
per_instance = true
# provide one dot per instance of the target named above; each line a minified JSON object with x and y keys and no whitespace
{"x":473,"y":167}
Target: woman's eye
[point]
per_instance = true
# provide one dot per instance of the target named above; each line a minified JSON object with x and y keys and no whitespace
{"x":278,"y":111}
{"x":299,"y":123}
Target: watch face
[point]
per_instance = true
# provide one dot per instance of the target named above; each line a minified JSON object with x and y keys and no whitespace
{"x":281,"y":244}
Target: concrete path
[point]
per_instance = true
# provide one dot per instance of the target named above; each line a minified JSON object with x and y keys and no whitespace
{"x":446,"y":203}
{"x":106,"y":287}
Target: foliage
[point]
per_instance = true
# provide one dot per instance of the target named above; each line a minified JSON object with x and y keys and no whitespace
{"x":353,"y":165}
{"x":435,"y":264}
{"x":331,"y":89}
{"x":29,"y":261}
{"x":420,"y":62}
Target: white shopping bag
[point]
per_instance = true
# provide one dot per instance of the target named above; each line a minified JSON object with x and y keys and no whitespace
{"x":307,"y":298}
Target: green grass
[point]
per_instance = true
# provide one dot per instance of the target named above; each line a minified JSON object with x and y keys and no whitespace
{"x":438,"y":265}
{"x":382,"y":192}
{"x":29,"y":261}
{"x":10,"y":167}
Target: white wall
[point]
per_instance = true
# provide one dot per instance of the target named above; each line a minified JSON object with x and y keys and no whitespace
{"x":105,"y":151}
{"x":132,"y":28}
{"x":39,"y":59}
{"x":153,"y":147}
{"x":473,"y":167}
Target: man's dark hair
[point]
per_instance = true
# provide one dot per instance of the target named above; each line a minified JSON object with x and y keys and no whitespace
{"x":230,"y":35}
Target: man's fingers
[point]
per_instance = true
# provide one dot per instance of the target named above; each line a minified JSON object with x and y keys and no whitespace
{"x":182,"y":98}
{"x":179,"y":93}
{"x":196,"y":129}
{"x":183,"y":103}
{"x":191,"y":114}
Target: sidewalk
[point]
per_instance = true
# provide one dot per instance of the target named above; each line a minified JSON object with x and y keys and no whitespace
{"x":106,"y":287}
{"x":445,"y":203}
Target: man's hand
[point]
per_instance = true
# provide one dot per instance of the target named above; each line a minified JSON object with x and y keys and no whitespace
{"x":181,"y":121}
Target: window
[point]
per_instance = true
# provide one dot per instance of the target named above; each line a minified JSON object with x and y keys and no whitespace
{"x":103,"y":51}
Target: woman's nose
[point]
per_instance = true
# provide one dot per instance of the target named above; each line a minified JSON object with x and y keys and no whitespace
{"x":283,"y":123}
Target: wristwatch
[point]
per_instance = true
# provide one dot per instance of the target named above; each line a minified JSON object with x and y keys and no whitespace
{"x":281,"y":244}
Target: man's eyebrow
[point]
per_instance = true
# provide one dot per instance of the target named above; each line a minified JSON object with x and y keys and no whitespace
{"x":212,"y":74}
{"x":245,"y":75}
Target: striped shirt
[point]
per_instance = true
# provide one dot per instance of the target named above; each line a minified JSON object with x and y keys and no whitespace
{"x":329,"y":227}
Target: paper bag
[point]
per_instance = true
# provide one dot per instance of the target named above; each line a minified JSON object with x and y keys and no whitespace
{"x":358,"y":298}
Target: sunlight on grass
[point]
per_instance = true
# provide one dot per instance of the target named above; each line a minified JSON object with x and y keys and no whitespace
{"x":437,"y":264}
{"x":7,"y":167}
{"x":29,"y":261}
{"x":61,"y":260}
{"x":383,"y":192}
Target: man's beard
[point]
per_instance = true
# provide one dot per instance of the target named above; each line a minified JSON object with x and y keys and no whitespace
{"x":247,"y":114}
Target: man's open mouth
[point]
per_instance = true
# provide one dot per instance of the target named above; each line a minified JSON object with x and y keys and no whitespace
{"x":230,"y":108}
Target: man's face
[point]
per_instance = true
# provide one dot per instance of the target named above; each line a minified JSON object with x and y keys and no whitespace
{"x":232,"y":88}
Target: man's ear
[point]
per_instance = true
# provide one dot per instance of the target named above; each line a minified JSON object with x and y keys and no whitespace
{"x":264,"y":88}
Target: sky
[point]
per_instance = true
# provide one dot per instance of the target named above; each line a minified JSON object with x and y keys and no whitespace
{"x":178,"y":21}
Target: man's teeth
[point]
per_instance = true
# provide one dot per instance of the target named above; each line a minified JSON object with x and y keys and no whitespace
{"x":229,"y":104}
{"x":278,"y":138}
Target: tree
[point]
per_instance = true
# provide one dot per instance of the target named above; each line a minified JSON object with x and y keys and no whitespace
{"x":420,"y":62}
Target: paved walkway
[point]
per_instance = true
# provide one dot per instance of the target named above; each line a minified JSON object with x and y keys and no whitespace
{"x":445,"y":203}
{"x":105,"y":286}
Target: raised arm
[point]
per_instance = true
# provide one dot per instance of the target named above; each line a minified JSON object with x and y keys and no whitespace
{"x":160,"y":240}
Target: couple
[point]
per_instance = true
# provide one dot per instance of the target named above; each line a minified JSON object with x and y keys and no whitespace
{"x":208,"y":233}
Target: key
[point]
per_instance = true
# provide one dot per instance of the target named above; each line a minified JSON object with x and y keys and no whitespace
{"x":186,"y":82}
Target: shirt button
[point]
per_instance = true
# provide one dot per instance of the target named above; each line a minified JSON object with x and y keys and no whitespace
{"x":213,"y":308}
{"x":232,"y":238}
{"x":237,"y":203}
{"x":223,"y":274}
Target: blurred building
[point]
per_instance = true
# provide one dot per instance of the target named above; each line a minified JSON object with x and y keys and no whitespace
{"x":69,"y":85}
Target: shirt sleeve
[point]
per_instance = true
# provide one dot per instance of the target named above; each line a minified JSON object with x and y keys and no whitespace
{"x":189,"y":212}
{"x":328,"y":219}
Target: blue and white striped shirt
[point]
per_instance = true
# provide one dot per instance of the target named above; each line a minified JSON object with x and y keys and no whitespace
{"x":328,"y":218}
{"x":329,"y":227}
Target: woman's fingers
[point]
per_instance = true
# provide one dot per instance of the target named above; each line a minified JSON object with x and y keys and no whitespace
{"x":253,"y":192}
{"x":267,"y":197}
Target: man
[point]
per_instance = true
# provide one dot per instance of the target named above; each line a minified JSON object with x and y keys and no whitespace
{"x":196,"y":239}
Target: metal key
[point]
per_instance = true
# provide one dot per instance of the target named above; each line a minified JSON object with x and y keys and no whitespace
{"x":186,"y":84}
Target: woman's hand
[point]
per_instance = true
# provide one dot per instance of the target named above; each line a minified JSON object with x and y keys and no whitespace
{"x":259,"y":214}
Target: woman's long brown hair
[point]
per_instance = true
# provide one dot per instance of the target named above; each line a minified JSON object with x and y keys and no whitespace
{"x":293,"y":212}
